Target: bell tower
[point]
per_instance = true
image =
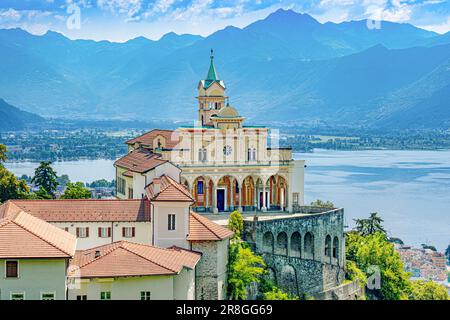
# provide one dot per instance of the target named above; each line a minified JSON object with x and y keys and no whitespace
{"x":211,"y":95}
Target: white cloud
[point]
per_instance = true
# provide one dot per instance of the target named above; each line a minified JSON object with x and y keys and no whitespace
{"x":441,"y":28}
{"x":9,"y":15}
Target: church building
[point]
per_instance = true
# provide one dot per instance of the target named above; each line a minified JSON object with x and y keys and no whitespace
{"x":224,"y":163}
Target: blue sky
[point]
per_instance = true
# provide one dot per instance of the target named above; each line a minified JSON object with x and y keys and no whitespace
{"x":120,"y":20}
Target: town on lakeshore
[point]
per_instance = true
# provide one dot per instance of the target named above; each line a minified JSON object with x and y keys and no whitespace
{"x":191,"y":212}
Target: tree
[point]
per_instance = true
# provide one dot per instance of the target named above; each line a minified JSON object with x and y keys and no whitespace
{"x":3,"y":151}
{"x":63,"y":180}
{"x":45,"y":177}
{"x":244,"y":268}
{"x":428,"y":290}
{"x":278,"y":294}
{"x":322,"y":204}
{"x":236,"y":224}
{"x":42,"y":194}
{"x":430,"y":247}
{"x":447,"y":253}
{"x":10,"y":187}
{"x":353,"y":273}
{"x":76,"y":191}
{"x":371,"y":225}
{"x":373,"y":253}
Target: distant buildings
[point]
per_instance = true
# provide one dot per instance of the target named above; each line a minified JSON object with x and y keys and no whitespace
{"x":424,"y":263}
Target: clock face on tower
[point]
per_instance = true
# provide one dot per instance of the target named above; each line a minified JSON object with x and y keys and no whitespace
{"x":227,"y":150}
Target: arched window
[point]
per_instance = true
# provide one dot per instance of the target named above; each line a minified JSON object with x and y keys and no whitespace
{"x":309,"y":245}
{"x":296,"y":245}
{"x":268,"y":242}
{"x":336,"y":248}
{"x":282,"y":242}
{"x":202,"y":155}
{"x":328,"y":246}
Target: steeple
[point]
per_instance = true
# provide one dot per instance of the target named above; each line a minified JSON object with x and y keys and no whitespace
{"x":212,"y":73}
{"x":211,"y":95}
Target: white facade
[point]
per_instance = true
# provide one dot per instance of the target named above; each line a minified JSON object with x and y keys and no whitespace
{"x":142,"y":232}
{"x":171,"y":287}
{"x":163,"y":236}
{"x":37,"y":279}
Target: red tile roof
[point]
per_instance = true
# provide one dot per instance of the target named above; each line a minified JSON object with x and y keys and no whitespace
{"x":121,"y":259}
{"x":86,"y":210}
{"x":140,"y":160}
{"x":146,"y":139}
{"x":203,"y":229}
{"x":25,"y":236}
{"x":170,"y":190}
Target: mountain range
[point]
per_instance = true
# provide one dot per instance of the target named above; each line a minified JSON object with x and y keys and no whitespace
{"x":12,"y":118}
{"x":287,"y":67}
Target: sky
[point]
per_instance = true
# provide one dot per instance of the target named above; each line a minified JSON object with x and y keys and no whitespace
{"x":121,"y":20}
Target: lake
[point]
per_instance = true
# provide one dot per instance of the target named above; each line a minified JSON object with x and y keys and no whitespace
{"x":409,"y":189}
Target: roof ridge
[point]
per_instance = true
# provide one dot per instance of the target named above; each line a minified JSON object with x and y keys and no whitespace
{"x":195,"y":215}
{"x":40,"y":237}
{"x":152,"y":247}
{"x":114,"y":247}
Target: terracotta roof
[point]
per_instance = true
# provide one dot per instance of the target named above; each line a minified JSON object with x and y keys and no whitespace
{"x":146,"y":139}
{"x":170,"y":190}
{"x":131,"y":259}
{"x":25,"y":236}
{"x":82,"y":210}
{"x":128,"y":174}
{"x":140,"y":160}
{"x":203,"y":229}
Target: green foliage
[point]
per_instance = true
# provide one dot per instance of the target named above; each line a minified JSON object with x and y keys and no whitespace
{"x":45,"y":177}
{"x":428,"y":290}
{"x":269,"y":291}
{"x":354,"y":273}
{"x":371,"y":225}
{"x":278,"y":294}
{"x":102,"y":183}
{"x":10,"y":187}
{"x":244,"y":268}
{"x":3,"y":152}
{"x":430,"y":247}
{"x":76,"y":191}
{"x":374,"y":250}
{"x":63,"y":180}
{"x":447,"y":253}
{"x":42,"y":194}
{"x":236,"y":224}
{"x":322,"y":204}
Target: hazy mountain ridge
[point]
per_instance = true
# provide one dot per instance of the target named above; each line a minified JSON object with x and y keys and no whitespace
{"x":12,"y":118}
{"x":287,"y":66}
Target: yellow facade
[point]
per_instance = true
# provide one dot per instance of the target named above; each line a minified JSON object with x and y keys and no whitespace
{"x":228,"y":165}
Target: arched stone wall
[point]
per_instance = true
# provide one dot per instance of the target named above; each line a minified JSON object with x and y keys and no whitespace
{"x":296,"y":245}
{"x":287,"y":279}
{"x":305,"y":237}
{"x":282,"y":244}
{"x":308,"y":246}
{"x":336,"y":248}
{"x":268,"y":242}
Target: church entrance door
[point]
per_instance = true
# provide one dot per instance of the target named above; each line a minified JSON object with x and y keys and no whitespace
{"x":221,"y":200}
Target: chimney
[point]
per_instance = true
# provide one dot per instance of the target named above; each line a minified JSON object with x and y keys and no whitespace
{"x":156,"y":186}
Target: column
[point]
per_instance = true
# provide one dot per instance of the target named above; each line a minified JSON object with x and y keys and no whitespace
{"x":214,"y":198}
{"x":240,"y":186}
{"x":206,"y":194}
{"x":232,"y":188}
{"x":264,"y":208}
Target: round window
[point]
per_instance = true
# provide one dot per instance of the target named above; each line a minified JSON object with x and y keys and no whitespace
{"x":227,"y":150}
